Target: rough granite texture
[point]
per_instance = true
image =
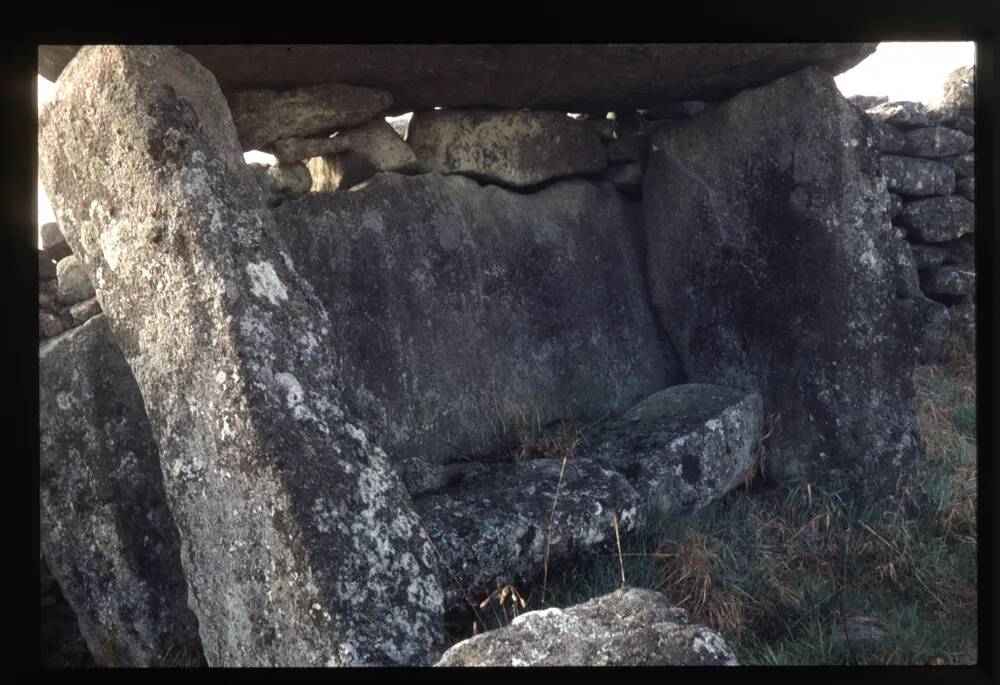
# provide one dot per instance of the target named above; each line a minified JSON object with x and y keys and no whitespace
{"x":106,"y":531}
{"x":684,"y":446}
{"x":773,"y":267}
{"x":903,"y":114}
{"x":512,"y":148}
{"x":937,"y":141}
{"x":370,"y":149}
{"x":464,"y":312}
{"x":299,"y":542}
{"x":917,"y":177}
{"x":629,"y":627}
{"x":939,"y":219}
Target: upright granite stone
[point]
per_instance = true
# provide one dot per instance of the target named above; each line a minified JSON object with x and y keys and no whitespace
{"x":300,"y":544}
{"x":468,"y":310}
{"x":265,"y":116}
{"x":772,"y":264}
{"x":106,"y":531}
{"x":629,"y":627}
{"x":513,"y":148}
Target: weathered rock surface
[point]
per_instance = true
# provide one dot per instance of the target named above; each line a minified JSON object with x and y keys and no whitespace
{"x":74,"y":283}
{"x":683,"y":446}
{"x":960,"y":89}
{"x":960,"y":119}
{"x":966,"y":187}
{"x":290,"y":150}
{"x":917,"y":177}
{"x":939,"y":219}
{"x":963,"y":318}
{"x":265,"y":116}
{"x":491,"y":525}
{"x":950,"y":281}
{"x":903,"y":114}
{"x":629,"y":627}
{"x":300,"y":545}
{"x":889,"y":138}
{"x":84,"y":311}
{"x":895,"y":205}
{"x":370,"y":149}
{"x":937,"y":141}
{"x":513,"y":148}
{"x":49,"y":325}
{"x":772,"y":267}
{"x":468,"y":310}
{"x":53,"y":243}
{"x":963,"y":165}
{"x":107,"y":533}
{"x":566,"y":77}
{"x":867,"y":101}
{"x":933,"y":326}
{"x":282,"y":182}
{"x":928,"y":256}
{"x":625,"y":177}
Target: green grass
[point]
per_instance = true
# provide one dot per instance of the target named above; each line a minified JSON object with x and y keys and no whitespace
{"x":776,"y":570}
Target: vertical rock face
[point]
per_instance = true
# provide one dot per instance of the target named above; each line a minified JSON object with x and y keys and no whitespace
{"x":107,"y":533}
{"x":300,"y":546}
{"x":773,"y":266}
{"x":466,"y":309}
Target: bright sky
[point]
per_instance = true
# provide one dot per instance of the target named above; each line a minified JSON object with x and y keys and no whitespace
{"x":902,"y":71}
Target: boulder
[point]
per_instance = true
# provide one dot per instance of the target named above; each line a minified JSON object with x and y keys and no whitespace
{"x":917,"y":177}
{"x":960,"y":89}
{"x":683,"y":446}
{"x":964,"y":166}
{"x":84,"y":311}
{"x":889,"y":138}
{"x":772,"y":265}
{"x":491,"y":525}
{"x":265,"y":116}
{"x":867,"y":101}
{"x":300,"y":545}
{"x":629,"y":627}
{"x":928,"y":256}
{"x":950,"y":281}
{"x":74,"y":283}
{"x":106,"y":531}
{"x":939,"y":219}
{"x":370,"y":149}
{"x":966,"y":187}
{"x":936,"y":141}
{"x":513,"y":148}
{"x":53,"y":243}
{"x":903,"y":114}
{"x":471,"y":311}
{"x":567,"y":77}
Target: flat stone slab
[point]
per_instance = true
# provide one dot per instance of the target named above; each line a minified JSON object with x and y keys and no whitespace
{"x":903,"y":114}
{"x":768,"y":238}
{"x":629,"y":627}
{"x":939,"y":219}
{"x":937,"y":141}
{"x":106,"y":531}
{"x":513,"y":148}
{"x":567,"y":77}
{"x":684,"y":446}
{"x":917,"y":177}
{"x":950,"y":281}
{"x":299,"y":542}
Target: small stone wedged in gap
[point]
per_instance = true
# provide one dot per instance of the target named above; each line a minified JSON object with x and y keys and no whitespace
{"x":74,"y":283}
{"x":371,"y":149}
{"x":628,"y":627}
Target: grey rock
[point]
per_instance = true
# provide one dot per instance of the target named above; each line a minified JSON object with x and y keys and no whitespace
{"x":53,"y":243}
{"x":966,"y":187}
{"x":928,"y":256}
{"x":265,"y":116}
{"x":952,"y":117}
{"x":514,"y":148}
{"x":491,"y":525}
{"x":917,"y":177}
{"x":625,"y":177}
{"x":903,"y":114}
{"x":370,"y":149}
{"x":300,"y":544}
{"x":46,"y":267}
{"x":768,"y":238}
{"x":629,"y":627}
{"x":939,"y":219}
{"x":960,"y":251}
{"x":567,"y":77}
{"x":74,"y":283}
{"x":937,"y":141}
{"x":895,"y":206}
{"x":963,"y":165}
{"x":933,"y":326}
{"x":858,"y":631}
{"x":889,"y":138}
{"x":950,"y":281}
{"x":288,"y":150}
{"x":49,"y":325}
{"x":106,"y":531}
{"x":676,"y":110}
{"x":867,"y":101}
{"x":470,"y":310}
{"x":83,"y":311}
{"x":682,"y":447}
{"x":282,"y":182}
{"x":960,"y":89}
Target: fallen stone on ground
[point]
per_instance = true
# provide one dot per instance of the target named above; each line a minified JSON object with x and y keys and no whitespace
{"x":299,"y":542}
{"x":513,"y":148}
{"x":629,"y":627}
{"x":106,"y":531}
